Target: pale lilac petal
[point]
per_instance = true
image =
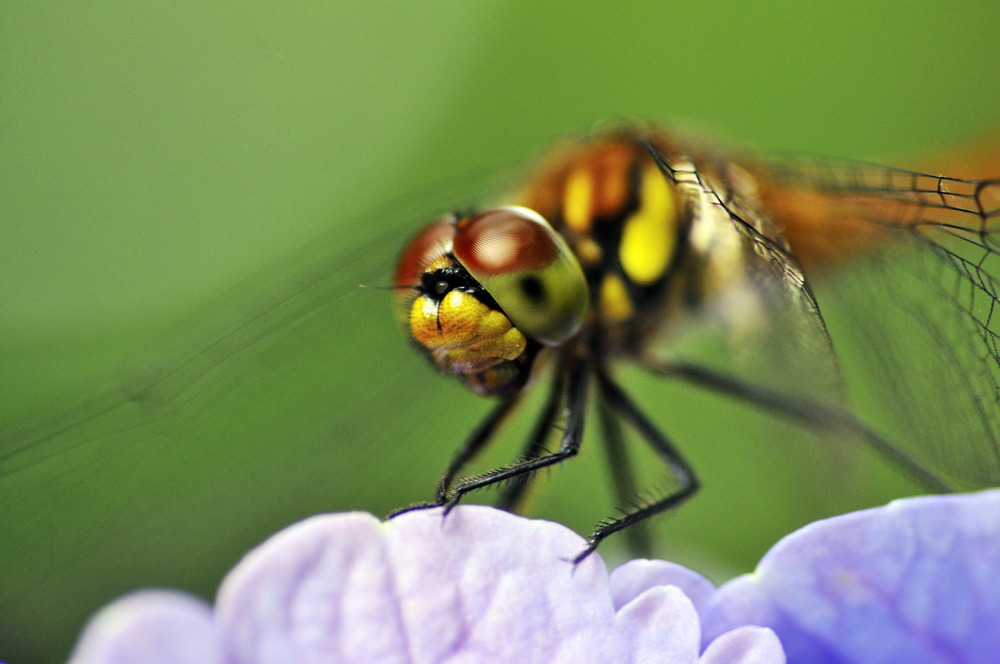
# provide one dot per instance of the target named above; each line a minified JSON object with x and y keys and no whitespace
{"x":632,"y":578}
{"x":151,"y":627}
{"x":915,"y":581}
{"x":745,"y":645}
{"x":679,"y":634}
{"x":480,"y":585}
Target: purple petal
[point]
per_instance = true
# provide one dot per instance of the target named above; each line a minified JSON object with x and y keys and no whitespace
{"x":630,"y":579}
{"x":677,"y":636}
{"x":480,"y":585}
{"x":744,"y":645}
{"x":151,"y":627}
{"x":915,"y":581}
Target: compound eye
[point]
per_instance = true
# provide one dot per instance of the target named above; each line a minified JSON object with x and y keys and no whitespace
{"x":431,"y":244}
{"x":528,"y":269}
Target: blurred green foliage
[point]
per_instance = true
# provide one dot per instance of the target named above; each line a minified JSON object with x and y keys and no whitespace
{"x":192,"y":193}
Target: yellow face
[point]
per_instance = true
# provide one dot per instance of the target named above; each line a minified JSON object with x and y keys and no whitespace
{"x":482,"y":295}
{"x":461,"y":332}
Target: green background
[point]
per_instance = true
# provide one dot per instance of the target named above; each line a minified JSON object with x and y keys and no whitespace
{"x":191,"y":195}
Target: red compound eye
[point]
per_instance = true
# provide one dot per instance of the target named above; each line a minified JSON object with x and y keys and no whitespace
{"x":431,"y":243}
{"x":528,"y":269}
{"x":505,"y":240}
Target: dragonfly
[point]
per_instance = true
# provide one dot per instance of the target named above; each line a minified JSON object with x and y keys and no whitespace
{"x":245,"y":420}
{"x":621,"y":240}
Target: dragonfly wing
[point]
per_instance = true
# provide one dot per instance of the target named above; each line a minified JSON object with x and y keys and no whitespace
{"x":907,"y":270}
{"x":750,"y":289}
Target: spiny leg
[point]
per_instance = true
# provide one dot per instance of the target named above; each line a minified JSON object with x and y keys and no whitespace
{"x":622,"y":475}
{"x":576,"y":395}
{"x":806,"y":411}
{"x":619,"y":403}
{"x":472,"y":446}
{"x":513,"y":495}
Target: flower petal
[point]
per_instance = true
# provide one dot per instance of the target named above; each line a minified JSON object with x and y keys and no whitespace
{"x":479,"y":585}
{"x":913,"y":581}
{"x":745,"y":645}
{"x":678,"y":634}
{"x":630,"y":579}
{"x":151,"y":627}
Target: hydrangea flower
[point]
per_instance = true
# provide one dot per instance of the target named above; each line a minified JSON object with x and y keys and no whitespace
{"x":478,"y":586}
{"x":915,"y":581}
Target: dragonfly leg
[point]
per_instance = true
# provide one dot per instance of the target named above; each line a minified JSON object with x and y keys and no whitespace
{"x":622,"y":475}
{"x":569,"y":446}
{"x":473,"y":445}
{"x":513,"y":496}
{"x":809,"y":413}
{"x":619,"y":403}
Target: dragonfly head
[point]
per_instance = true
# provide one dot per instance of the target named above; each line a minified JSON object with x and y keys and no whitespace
{"x":482,"y":294}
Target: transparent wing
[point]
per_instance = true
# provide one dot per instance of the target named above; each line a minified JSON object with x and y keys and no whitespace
{"x":896,"y":320}
{"x":207,"y":359}
{"x":259,"y":409}
{"x":305,"y":328}
{"x":756,"y":296}
{"x":906,"y":267}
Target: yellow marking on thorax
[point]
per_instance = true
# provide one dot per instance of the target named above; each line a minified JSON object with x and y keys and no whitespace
{"x":650,"y":233}
{"x":578,"y":200}
{"x":615,"y":303}
{"x":588,"y":252}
